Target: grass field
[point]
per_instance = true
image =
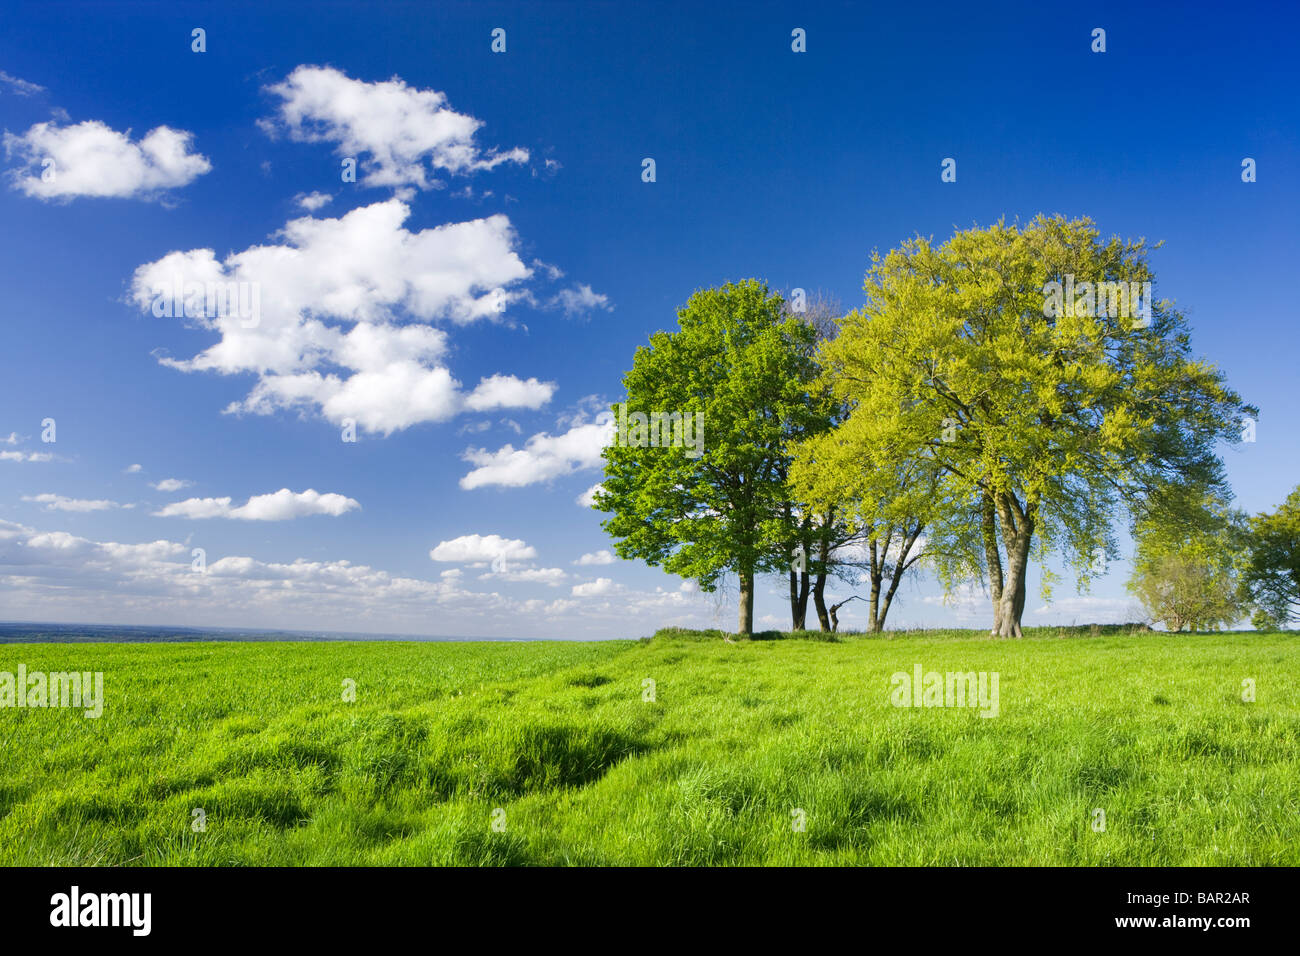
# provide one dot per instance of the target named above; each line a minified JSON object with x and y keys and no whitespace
{"x":555,"y":743}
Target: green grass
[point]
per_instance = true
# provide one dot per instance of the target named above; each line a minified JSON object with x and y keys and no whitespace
{"x":1151,"y":728}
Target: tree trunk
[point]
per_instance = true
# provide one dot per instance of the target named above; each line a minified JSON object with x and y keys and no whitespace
{"x":823,"y":569}
{"x":800,"y":585}
{"x":819,"y":600}
{"x":877,"y":576}
{"x":746,"y":628}
{"x":1017,"y":526}
{"x":991,"y":557}
{"x":805,"y":586}
{"x":794,"y":599}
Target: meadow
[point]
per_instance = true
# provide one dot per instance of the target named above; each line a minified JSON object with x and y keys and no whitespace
{"x":783,"y":750}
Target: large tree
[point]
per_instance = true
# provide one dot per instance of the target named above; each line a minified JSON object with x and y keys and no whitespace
{"x":743,"y":364}
{"x":1044,"y":410}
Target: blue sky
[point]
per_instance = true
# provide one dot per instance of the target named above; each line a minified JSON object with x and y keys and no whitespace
{"x":521,"y":171}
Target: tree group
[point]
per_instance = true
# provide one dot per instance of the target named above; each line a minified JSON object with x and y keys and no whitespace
{"x":968,"y":416}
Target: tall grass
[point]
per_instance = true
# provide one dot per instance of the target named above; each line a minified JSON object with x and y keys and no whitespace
{"x":556,"y":744}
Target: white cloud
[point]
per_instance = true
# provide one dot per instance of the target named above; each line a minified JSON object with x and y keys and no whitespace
{"x":401,"y":134}
{"x":11,"y":439}
{"x":480,"y":549}
{"x":506,"y":391}
{"x":1088,"y":609}
{"x":328,"y":336}
{"x":55,"y":571}
{"x":278,"y":506}
{"x":26,"y":456}
{"x":580,"y":299}
{"x":968,"y":602}
{"x":313,"y":201}
{"x":553,"y":577}
{"x":597,"y":557}
{"x":595,"y":588}
{"x":171,"y":484}
{"x":542,"y":458}
{"x":56,"y":575}
{"x":588,"y":498}
{"x":91,"y":159}
{"x":60,"y":503}
{"x":133,"y":469}
{"x":20,"y":86}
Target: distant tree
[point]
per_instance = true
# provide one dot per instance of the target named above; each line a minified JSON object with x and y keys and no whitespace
{"x":743,"y":363}
{"x":1041,"y":417}
{"x":1270,"y":575}
{"x":1185,"y":566}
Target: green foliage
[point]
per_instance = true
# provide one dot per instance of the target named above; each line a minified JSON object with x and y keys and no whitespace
{"x":745,"y":364}
{"x":1271,"y":572}
{"x":1054,"y":422}
{"x":1185,"y":567}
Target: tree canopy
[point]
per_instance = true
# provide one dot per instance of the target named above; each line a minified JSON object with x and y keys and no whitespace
{"x":744,"y":364}
{"x":1004,"y":367}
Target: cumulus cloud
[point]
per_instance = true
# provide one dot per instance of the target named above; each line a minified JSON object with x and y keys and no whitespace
{"x":47,"y":574}
{"x":91,"y":159}
{"x":60,"y":503}
{"x":543,"y":457}
{"x":595,"y":588}
{"x":345,"y":306}
{"x":596,"y":557}
{"x":133,"y":469}
{"x":403,"y":136}
{"x":313,"y":201}
{"x":56,"y":571}
{"x":588,"y":498}
{"x":506,"y":391}
{"x":481,"y":549}
{"x":281,"y":505}
{"x":171,"y":484}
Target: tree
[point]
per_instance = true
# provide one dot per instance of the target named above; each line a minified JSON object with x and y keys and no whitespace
{"x":1270,"y":575}
{"x":861,"y":530}
{"x":744,"y":366}
{"x":1185,"y":566}
{"x":825,"y":540}
{"x":1043,"y":406}
{"x":883,"y":512}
